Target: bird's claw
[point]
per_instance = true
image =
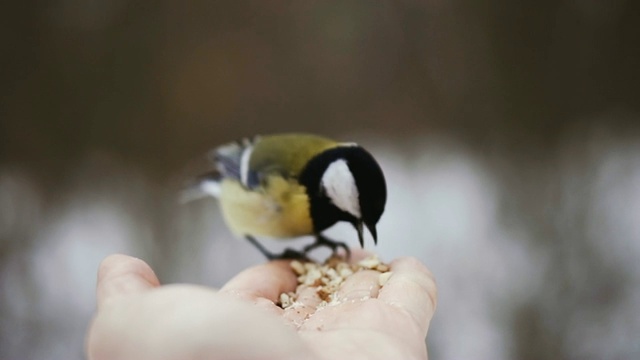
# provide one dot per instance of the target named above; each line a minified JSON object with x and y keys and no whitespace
{"x":289,"y":254}
{"x":332,"y":244}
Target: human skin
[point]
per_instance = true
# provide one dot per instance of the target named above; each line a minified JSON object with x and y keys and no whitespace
{"x":137,"y":318}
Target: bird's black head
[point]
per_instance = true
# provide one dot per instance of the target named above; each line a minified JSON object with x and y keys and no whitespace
{"x":345,"y":184}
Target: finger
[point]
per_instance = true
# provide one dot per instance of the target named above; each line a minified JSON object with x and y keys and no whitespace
{"x":266,"y":281}
{"x":121,"y":275}
{"x":362,"y":285}
{"x":358,"y":254}
{"x":189,"y":322}
{"x":306,"y":304}
{"x":411,"y":287}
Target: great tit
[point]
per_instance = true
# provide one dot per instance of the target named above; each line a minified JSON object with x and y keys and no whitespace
{"x":290,"y":185}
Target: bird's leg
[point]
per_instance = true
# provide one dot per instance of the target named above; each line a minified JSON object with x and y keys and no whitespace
{"x":332,"y":244}
{"x":286,"y":254}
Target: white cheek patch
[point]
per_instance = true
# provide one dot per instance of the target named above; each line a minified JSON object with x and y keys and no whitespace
{"x":340,"y":186}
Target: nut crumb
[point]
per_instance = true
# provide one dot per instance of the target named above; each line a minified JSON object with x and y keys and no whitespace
{"x":370,"y":262}
{"x":324,"y":294}
{"x":298,"y":268}
{"x":285,"y":300}
{"x":327,"y":278}
{"x":383,"y":268}
{"x":384,"y":277}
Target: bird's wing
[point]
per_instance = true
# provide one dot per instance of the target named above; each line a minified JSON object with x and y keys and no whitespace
{"x":232,"y":160}
{"x":251,"y":160}
{"x":283,"y":155}
{"x":224,"y":162}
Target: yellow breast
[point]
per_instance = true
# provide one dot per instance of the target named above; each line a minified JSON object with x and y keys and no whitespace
{"x":283,"y":212}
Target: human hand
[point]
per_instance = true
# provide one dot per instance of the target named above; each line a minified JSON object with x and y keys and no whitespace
{"x":139,"y":319}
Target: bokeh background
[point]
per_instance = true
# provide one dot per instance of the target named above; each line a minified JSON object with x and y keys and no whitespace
{"x":509,"y":133}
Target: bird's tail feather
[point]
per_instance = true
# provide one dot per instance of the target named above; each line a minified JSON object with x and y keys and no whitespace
{"x":204,"y":186}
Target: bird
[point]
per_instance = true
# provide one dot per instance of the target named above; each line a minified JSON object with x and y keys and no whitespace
{"x":284,"y":186}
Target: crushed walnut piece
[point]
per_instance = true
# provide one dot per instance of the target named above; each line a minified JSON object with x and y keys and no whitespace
{"x":328,"y":277}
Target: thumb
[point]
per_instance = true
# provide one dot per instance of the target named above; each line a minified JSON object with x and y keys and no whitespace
{"x":123,"y":275}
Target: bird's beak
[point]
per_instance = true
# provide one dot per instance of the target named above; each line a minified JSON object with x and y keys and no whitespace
{"x":360,"y":233}
{"x":374,"y":232}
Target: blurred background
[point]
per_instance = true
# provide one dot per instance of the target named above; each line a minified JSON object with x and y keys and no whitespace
{"x":509,"y":133}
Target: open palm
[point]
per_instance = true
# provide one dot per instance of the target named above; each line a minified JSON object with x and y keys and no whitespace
{"x":139,"y":319}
